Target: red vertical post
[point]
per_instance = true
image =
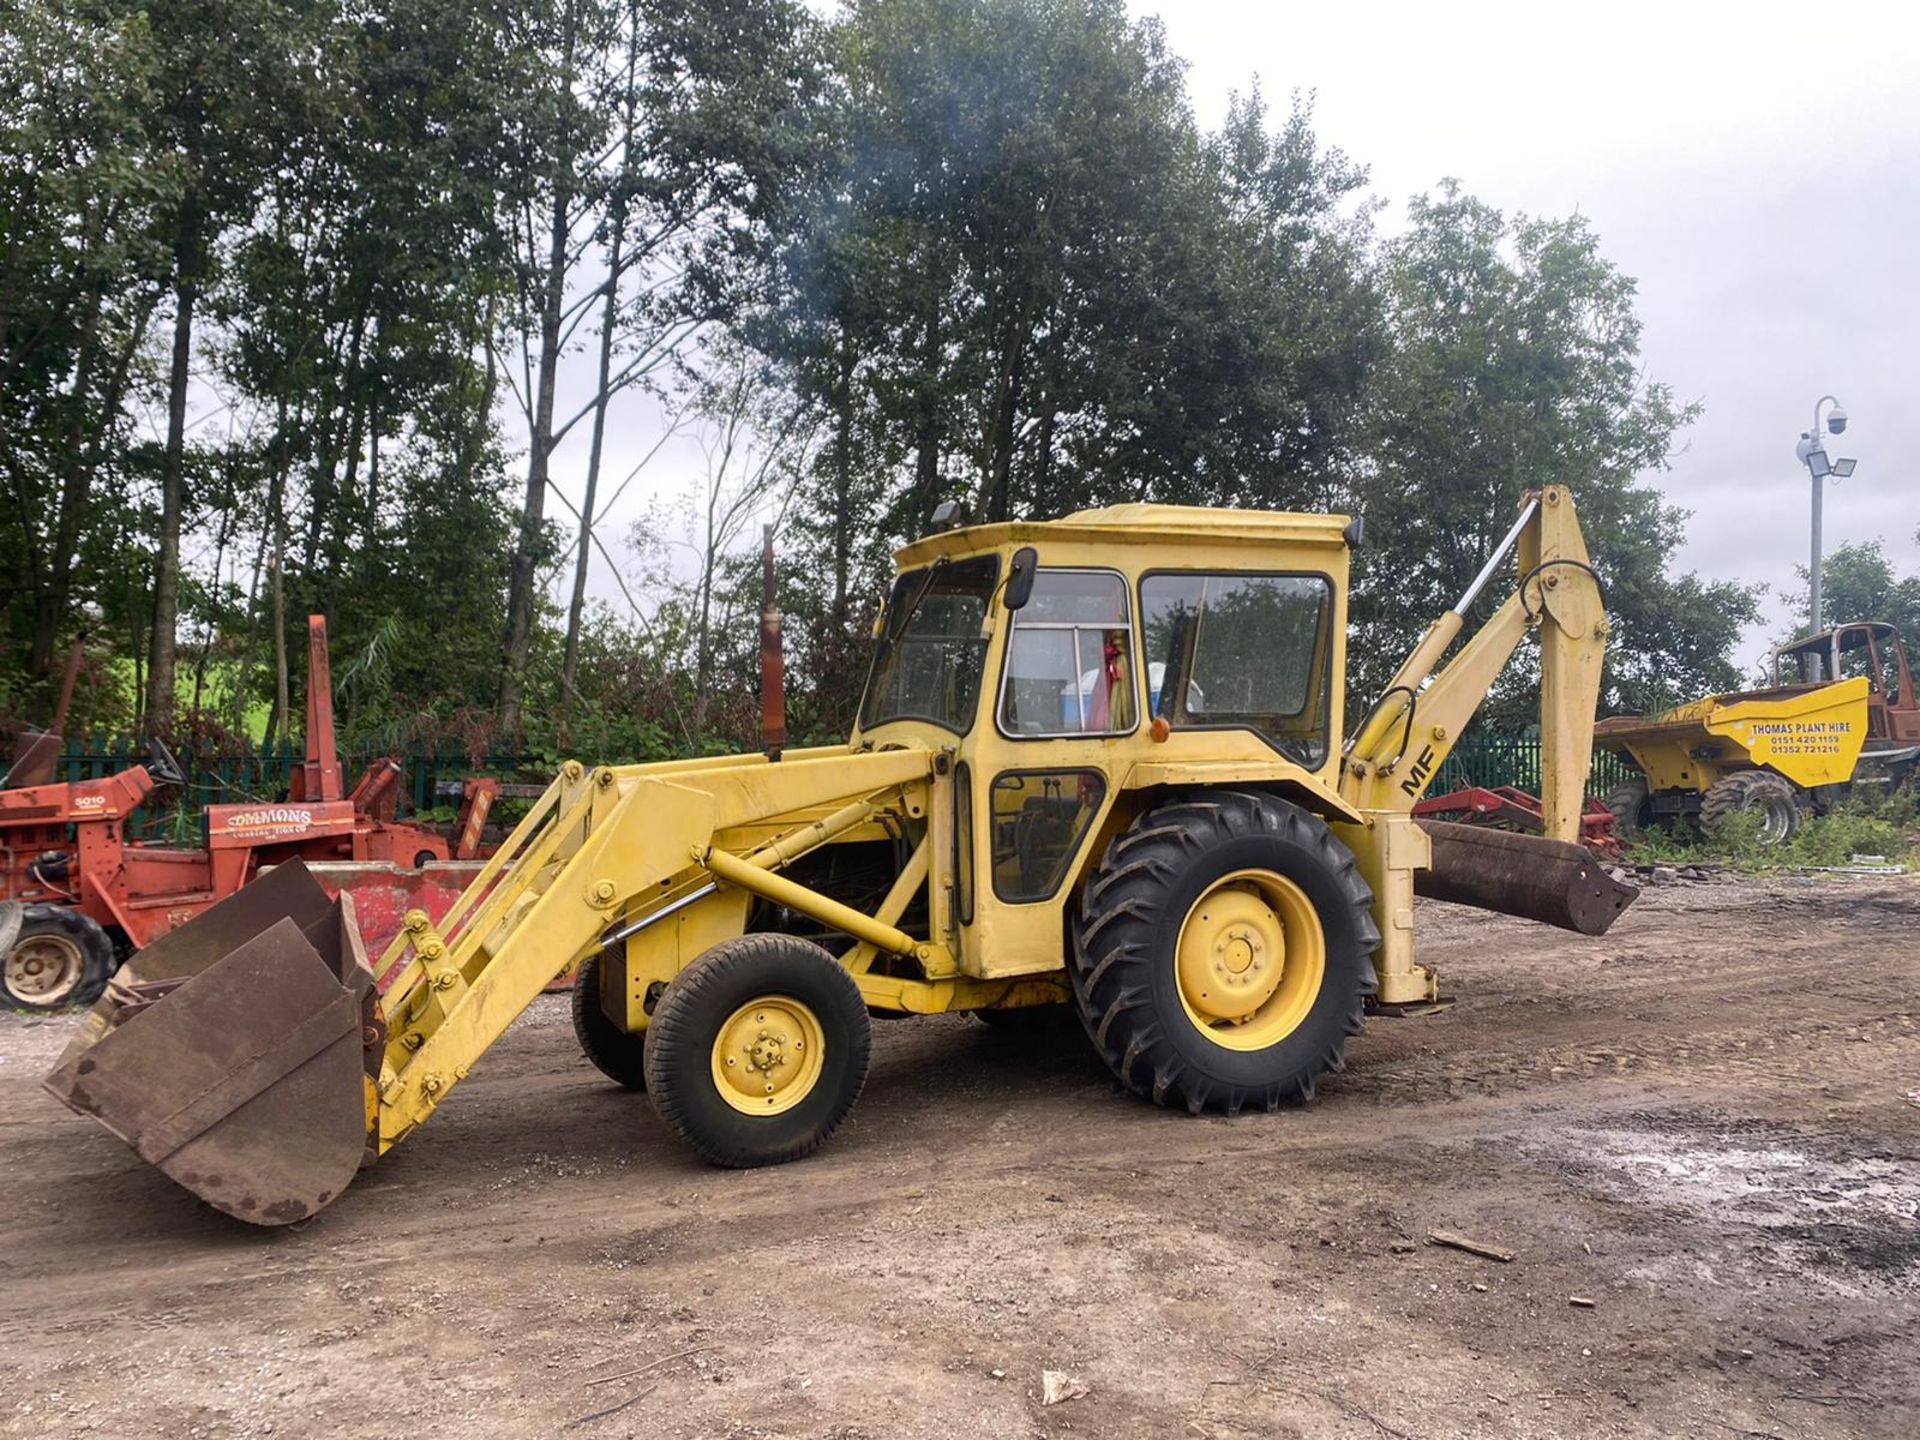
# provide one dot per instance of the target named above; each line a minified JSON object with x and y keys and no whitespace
{"x":75,"y":654}
{"x":322,"y":766}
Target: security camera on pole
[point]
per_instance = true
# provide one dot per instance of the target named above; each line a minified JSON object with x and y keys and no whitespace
{"x":1813,"y":454}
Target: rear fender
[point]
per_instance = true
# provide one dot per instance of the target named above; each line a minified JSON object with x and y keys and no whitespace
{"x":1136,"y":799}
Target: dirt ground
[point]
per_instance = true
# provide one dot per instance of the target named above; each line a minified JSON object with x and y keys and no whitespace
{"x":1703,"y":1123}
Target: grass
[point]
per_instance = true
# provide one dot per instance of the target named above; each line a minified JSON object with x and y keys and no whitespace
{"x":1863,"y":824}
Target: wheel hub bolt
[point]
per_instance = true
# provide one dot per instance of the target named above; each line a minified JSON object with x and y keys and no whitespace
{"x":766,"y":1054}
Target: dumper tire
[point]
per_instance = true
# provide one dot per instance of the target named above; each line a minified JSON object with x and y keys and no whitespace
{"x":723,"y":1008}
{"x":60,"y":960}
{"x":618,"y":1054}
{"x":1173,"y":866}
{"x":1781,"y":805}
{"x":1627,"y":802}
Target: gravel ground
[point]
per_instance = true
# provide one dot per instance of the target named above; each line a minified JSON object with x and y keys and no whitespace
{"x":1703,"y":1123}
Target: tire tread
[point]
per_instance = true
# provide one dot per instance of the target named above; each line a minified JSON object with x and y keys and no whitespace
{"x":1113,"y":949}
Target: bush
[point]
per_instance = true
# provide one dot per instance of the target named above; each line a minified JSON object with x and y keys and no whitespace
{"x":1864,"y":823}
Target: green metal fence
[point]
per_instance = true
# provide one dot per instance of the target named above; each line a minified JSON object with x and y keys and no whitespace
{"x":221,"y":778}
{"x":1492,"y":760}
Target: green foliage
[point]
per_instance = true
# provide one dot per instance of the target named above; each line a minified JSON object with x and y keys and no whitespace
{"x":951,"y":249}
{"x":1026,"y":279}
{"x":1865,"y":823}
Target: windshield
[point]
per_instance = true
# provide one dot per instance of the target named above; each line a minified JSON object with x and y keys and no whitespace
{"x":931,"y":654}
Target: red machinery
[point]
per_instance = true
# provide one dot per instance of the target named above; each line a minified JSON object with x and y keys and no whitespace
{"x":1507,"y":808}
{"x":65,"y":858}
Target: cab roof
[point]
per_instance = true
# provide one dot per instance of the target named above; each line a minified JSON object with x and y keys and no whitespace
{"x":1136,"y":525}
{"x":1818,"y":644}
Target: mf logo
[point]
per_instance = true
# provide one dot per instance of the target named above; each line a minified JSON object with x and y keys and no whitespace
{"x":1421,"y":772}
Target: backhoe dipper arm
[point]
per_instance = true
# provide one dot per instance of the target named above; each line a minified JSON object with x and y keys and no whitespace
{"x":1401,"y":745}
{"x":1415,"y":724}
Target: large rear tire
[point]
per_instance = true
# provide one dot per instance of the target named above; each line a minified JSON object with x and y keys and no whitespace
{"x":757,"y":1050}
{"x":1776,"y":800}
{"x":618,"y":1054}
{"x":1221,"y":954}
{"x":60,"y":960}
{"x":1627,"y":803}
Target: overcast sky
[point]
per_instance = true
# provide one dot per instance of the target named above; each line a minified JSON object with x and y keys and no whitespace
{"x":1756,"y":169}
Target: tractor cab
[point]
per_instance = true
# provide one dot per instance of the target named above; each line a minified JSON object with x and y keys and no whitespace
{"x":1075,"y":668}
{"x":1118,"y":619}
{"x":1871,"y":650}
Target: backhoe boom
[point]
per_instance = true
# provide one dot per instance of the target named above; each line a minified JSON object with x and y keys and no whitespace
{"x":1418,"y":719}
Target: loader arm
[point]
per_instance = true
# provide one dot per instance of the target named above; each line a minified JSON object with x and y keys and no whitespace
{"x":1418,"y":719}
{"x":602,"y":852}
{"x":270,"y":1068}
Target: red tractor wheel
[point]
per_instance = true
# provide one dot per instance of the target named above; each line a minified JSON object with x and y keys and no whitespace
{"x":60,"y":960}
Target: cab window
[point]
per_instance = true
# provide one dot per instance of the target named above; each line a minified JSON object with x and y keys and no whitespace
{"x":1069,"y":664}
{"x":928,"y":663}
{"x":1039,"y":819}
{"x":1240,"y":651}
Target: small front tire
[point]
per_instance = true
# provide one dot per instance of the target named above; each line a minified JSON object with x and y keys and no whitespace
{"x":757,"y":1050}
{"x":60,"y":960}
{"x":618,"y":1054}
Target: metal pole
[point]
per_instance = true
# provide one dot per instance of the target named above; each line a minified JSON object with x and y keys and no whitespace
{"x":1500,"y":553}
{"x":1813,"y":563}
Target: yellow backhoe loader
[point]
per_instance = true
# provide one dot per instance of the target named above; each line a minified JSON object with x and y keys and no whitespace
{"x":1098,"y":765}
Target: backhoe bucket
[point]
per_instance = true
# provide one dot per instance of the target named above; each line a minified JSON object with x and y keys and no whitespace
{"x":1525,"y":875}
{"x":234,"y":1052}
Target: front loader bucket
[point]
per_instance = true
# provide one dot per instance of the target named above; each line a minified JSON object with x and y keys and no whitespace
{"x":233,"y":1053}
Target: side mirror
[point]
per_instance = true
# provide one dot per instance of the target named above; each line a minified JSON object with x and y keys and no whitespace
{"x":1026,"y":565}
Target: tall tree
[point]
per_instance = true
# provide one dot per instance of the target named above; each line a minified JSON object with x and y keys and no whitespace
{"x":712,"y":106}
{"x":83,"y":186}
{"x":232,"y":81}
{"x":1028,"y":280}
{"x":356,"y":315}
{"x":1514,"y":364}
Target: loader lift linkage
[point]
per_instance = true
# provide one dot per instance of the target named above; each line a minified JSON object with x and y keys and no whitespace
{"x":1097,"y":772}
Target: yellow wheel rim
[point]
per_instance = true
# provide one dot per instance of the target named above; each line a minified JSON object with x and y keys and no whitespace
{"x":768,"y":1056}
{"x":1251,"y":959}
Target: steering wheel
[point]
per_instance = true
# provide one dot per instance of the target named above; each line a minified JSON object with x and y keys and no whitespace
{"x":162,"y":765}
